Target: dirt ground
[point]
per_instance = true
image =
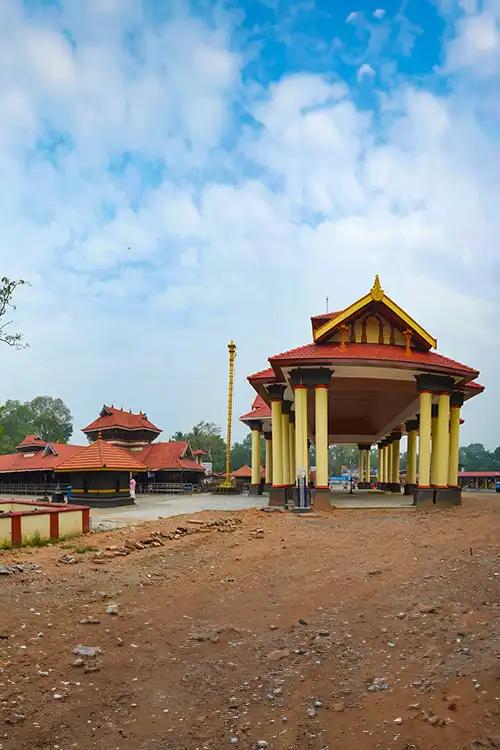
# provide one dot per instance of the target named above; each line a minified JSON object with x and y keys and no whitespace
{"x":349,"y":629}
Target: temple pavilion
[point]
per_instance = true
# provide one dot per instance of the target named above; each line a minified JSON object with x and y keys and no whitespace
{"x":368,"y":377}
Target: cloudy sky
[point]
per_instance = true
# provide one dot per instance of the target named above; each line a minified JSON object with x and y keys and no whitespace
{"x":177,"y":174}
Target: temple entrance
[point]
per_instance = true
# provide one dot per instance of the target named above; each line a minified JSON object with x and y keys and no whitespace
{"x":370,"y":379}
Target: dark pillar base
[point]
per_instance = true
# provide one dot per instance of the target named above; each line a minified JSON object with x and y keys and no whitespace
{"x":255,"y":489}
{"x":446,"y":497}
{"x":423,"y":498}
{"x":277,"y":497}
{"x":395,"y":487}
{"x":410,"y":489}
{"x":267,"y":487}
{"x":363,"y":486}
{"x":321,"y":497}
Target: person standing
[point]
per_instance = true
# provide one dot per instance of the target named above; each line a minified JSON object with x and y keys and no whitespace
{"x":132,"y":485}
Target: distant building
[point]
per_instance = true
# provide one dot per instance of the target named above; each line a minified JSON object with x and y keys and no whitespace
{"x":38,"y":465}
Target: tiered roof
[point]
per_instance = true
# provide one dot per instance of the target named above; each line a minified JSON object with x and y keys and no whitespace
{"x":110,"y":416}
{"x":174,"y":455}
{"x":101,"y":455}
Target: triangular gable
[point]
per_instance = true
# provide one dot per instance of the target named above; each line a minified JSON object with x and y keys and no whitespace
{"x":377,"y":302}
{"x":49,"y":449}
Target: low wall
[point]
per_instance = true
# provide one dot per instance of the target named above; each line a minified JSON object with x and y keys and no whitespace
{"x":23,"y":521}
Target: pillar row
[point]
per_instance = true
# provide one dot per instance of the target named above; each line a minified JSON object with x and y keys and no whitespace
{"x":269,"y":457}
{"x":456,"y":401}
{"x":256,"y":465}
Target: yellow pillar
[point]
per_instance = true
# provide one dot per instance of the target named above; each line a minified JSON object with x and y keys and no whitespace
{"x":367,"y":465}
{"x":424,"y":439}
{"x":442,"y":440}
{"x":277,"y":443}
{"x":456,"y":402}
{"x":411,"y":453}
{"x":434,"y":423}
{"x":389,"y":461}
{"x":256,"y":455}
{"x":361,"y":464}
{"x":301,"y":449}
{"x":291,"y":449}
{"x":321,"y":428}
{"x":395,"y":447}
{"x":269,"y":459}
{"x":379,"y":462}
{"x":384,"y":454}
{"x":285,"y":439}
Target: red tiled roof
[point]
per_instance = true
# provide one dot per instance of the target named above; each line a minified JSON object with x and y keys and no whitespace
{"x":260,"y":410}
{"x":199,"y":452}
{"x":20,"y":461}
{"x":372,"y":352}
{"x":168,"y":456}
{"x":478,"y":474}
{"x":263,"y":374}
{"x":475,"y":385}
{"x":245,"y":472}
{"x":32,"y":440}
{"x":101,"y":455}
{"x":318,"y":320}
{"x":121,"y":418}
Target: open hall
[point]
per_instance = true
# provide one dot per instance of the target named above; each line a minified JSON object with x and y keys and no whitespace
{"x":369,"y":377}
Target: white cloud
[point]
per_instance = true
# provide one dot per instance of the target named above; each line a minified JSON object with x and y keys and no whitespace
{"x":365,"y":71}
{"x":379,"y":13}
{"x":235,"y":230}
{"x":353,"y":16}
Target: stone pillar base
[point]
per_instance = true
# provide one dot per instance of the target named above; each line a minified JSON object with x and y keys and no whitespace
{"x":363,"y":486}
{"x":277,"y":497}
{"x":394,"y":487}
{"x":321,"y":497}
{"x":267,"y":487}
{"x":446,"y":497}
{"x":410,"y":489}
{"x":423,"y":498}
{"x":255,"y":489}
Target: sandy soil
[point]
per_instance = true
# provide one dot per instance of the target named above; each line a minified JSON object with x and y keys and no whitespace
{"x":270,"y":628}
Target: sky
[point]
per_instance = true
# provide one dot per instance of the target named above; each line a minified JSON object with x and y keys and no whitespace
{"x":176,"y":174}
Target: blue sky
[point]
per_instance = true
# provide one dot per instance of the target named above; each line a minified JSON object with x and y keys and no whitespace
{"x":178,"y":174}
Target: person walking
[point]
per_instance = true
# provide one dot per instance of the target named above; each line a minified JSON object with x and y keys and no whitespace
{"x":132,"y":485}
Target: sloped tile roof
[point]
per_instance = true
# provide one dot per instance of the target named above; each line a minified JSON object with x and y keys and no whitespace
{"x":260,"y":410}
{"x":168,"y":456}
{"x":32,"y":440}
{"x":121,"y":418}
{"x":101,"y":455}
{"x":372,"y":352}
{"x":20,"y":461}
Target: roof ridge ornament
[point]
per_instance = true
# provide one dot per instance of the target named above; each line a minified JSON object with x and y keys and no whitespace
{"x":376,"y":291}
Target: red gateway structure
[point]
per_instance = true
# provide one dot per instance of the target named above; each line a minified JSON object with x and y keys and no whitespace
{"x":121,"y":445}
{"x":367,"y":377}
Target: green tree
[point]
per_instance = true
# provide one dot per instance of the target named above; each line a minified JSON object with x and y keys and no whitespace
{"x":475,"y":457}
{"x":207,"y":436}
{"x":7,"y":289}
{"x":47,"y":417}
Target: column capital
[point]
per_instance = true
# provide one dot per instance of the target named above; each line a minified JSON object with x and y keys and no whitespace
{"x":434,"y":411}
{"x":286,"y":407}
{"x":457,"y":398}
{"x":364,"y":446}
{"x":412,"y":424}
{"x":396,"y":435}
{"x":276,"y":391}
{"x":310,"y":376}
{"x":268,"y":435}
{"x":434,"y":383}
{"x":292,"y":417}
{"x":255,"y":424}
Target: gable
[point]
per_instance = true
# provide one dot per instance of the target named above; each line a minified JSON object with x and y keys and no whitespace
{"x":374,"y":319}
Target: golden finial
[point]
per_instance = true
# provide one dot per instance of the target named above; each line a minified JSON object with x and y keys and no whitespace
{"x":376,"y":291}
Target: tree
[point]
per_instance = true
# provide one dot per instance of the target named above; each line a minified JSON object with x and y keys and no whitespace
{"x":47,"y":417}
{"x":207,"y":436}
{"x":241,"y":453}
{"x":7,"y":289}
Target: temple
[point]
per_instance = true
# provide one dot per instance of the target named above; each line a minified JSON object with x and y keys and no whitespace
{"x":121,"y":444}
{"x":367,"y":378}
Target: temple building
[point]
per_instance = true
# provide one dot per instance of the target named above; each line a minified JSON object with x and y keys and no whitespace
{"x":368,"y":377}
{"x":38,"y":466}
